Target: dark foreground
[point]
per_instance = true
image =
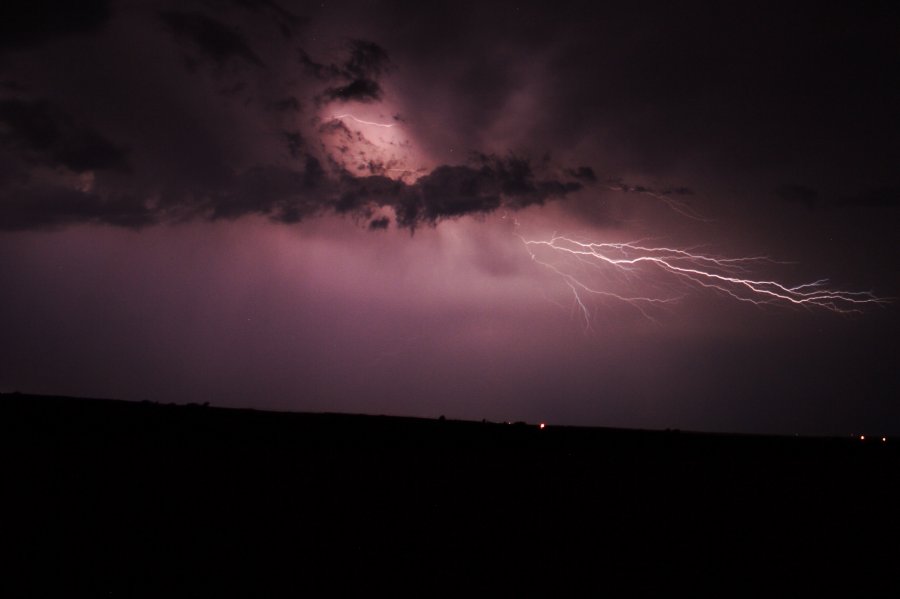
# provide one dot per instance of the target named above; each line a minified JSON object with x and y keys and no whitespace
{"x":125,"y":499}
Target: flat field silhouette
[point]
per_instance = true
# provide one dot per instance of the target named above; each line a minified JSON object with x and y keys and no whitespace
{"x":118,"y":498}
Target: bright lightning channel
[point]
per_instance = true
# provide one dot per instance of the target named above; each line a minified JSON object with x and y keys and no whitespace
{"x":570,"y":259}
{"x":337,"y":117}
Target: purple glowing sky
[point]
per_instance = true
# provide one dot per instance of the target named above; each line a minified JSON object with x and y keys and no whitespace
{"x":321,"y":206}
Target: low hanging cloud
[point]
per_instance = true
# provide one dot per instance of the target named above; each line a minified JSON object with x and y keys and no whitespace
{"x":451,"y":191}
{"x":291,"y":195}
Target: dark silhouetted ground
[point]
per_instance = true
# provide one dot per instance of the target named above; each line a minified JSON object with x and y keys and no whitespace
{"x":120,"y":499}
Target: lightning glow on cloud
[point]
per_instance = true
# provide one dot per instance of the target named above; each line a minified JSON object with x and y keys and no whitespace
{"x":338,"y":117}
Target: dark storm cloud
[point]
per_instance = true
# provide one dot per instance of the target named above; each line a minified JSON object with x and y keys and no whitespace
{"x":214,"y":39}
{"x":487,"y":184}
{"x":49,"y":207}
{"x":324,"y":72}
{"x":294,"y":142}
{"x":583,"y":173}
{"x":45,"y":135}
{"x":619,"y":185}
{"x":358,"y":73}
{"x":221,"y":149}
{"x":192,"y":156}
{"x":449,"y":191}
{"x":289,"y":195}
{"x":29,"y":22}
{"x":364,"y":60}
{"x":380,"y":223}
{"x":360,"y":90}
{"x":285,"y":195}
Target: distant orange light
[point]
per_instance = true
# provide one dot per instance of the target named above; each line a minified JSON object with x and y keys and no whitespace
{"x":862,"y":437}
{"x":543,"y":425}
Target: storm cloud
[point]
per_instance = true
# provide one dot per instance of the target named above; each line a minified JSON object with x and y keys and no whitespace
{"x":290,"y":195}
{"x":64,"y":168}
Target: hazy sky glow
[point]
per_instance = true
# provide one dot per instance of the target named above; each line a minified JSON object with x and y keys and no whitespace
{"x":322,"y":206}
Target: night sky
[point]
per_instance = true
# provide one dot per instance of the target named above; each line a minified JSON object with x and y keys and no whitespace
{"x":388,"y":208}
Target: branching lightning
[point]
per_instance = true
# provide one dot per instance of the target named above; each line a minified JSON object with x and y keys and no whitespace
{"x":581,"y":263}
{"x":675,"y":205}
{"x":648,"y":277}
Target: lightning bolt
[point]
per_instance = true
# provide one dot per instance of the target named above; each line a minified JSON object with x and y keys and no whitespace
{"x":337,"y":117}
{"x":675,"y":205}
{"x":581,"y":263}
